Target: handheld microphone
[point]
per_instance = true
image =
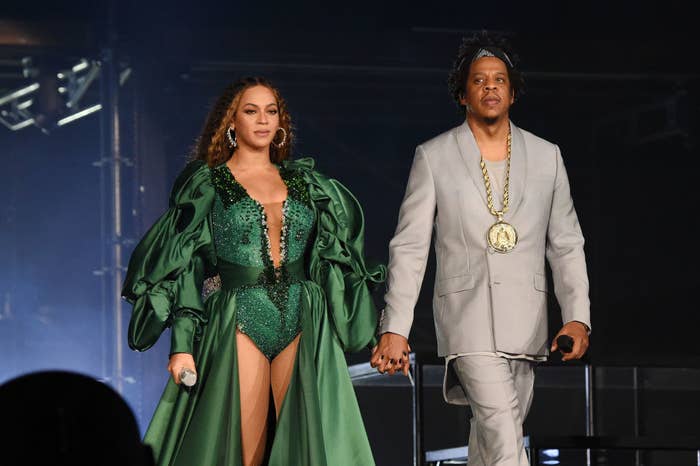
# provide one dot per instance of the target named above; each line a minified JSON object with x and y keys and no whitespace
{"x":565,"y":343}
{"x":188,"y":377}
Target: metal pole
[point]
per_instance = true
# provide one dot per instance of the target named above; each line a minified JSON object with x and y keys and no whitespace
{"x":590,"y":419}
{"x":111,"y":166}
{"x":117,"y":224}
{"x":417,"y":395}
{"x":635,"y":391}
{"x":112,"y":202}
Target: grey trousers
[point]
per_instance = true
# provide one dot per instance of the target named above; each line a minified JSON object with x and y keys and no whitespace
{"x":500,"y":392}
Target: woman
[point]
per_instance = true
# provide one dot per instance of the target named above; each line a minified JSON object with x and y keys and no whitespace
{"x":285,"y":244}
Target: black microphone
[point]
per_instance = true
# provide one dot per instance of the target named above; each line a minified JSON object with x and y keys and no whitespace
{"x":565,"y":343}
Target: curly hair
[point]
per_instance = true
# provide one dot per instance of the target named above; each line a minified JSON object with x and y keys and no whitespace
{"x":211,"y":145}
{"x":470,"y":46}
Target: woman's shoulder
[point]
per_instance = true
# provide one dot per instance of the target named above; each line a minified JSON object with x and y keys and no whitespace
{"x":195,"y":176}
{"x":191,"y":169}
{"x":301,"y":165}
{"x":305,"y":167}
{"x":319,"y":184}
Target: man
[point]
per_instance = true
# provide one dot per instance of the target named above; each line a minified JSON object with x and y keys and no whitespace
{"x":498,"y":199}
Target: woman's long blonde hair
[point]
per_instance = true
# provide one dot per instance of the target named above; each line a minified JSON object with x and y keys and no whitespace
{"x":212,"y":145}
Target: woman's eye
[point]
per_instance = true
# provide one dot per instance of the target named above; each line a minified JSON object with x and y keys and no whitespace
{"x":250,"y":112}
{"x":272,"y":112}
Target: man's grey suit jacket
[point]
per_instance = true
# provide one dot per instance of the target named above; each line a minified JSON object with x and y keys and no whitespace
{"x":485,"y":301}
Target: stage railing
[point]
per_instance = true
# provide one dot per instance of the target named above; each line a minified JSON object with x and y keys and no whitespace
{"x":364,"y":374}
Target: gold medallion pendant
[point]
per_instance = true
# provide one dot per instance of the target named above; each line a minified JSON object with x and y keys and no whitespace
{"x":502,"y":237}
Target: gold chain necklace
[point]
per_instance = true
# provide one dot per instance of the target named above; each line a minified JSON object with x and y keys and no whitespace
{"x":501,"y":236}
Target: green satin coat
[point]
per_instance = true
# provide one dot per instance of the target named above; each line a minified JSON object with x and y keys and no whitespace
{"x":320,"y":422}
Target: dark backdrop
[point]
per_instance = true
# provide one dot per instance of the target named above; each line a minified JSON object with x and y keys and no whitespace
{"x":614,"y":84}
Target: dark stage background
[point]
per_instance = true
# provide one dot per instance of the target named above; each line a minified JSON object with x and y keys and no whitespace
{"x":614,"y":84}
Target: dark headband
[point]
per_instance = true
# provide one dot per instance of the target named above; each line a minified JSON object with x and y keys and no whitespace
{"x":489,"y":52}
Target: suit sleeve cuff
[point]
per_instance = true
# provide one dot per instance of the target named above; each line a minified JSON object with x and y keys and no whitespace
{"x":389,"y":322}
{"x":588,"y":327}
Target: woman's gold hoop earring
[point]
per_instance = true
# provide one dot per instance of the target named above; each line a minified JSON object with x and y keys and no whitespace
{"x":281,"y":144}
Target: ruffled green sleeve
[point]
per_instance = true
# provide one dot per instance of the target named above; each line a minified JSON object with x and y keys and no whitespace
{"x":168,"y":266}
{"x":337,"y":260}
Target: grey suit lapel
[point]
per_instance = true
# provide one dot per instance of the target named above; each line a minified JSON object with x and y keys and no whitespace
{"x":471,"y":156}
{"x":469,"y":151}
{"x":518,"y":168}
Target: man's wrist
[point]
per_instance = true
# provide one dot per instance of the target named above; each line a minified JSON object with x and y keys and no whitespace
{"x":584,"y":325}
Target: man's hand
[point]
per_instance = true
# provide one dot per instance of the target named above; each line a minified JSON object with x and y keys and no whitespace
{"x":579,"y":333}
{"x":391,"y":354}
{"x":179,"y":361}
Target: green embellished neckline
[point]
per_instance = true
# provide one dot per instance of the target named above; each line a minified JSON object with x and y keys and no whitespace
{"x":231,"y":191}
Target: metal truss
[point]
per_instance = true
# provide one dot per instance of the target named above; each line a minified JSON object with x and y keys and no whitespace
{"x":23,"y":107}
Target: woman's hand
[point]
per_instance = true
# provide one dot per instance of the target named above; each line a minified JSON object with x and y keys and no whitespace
{"x":179,"y":361}
{"x":391,"y":354}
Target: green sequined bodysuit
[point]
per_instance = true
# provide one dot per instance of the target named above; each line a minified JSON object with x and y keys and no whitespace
{"x":212,"y":227}
{"x":267,"y":297}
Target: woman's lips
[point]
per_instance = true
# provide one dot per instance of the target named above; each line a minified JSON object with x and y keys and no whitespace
{"x":262,"y":133}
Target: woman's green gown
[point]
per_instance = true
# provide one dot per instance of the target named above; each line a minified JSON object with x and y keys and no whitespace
{"x":320,"y":422}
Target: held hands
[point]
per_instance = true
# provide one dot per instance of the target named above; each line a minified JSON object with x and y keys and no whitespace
{"x":391,"y":354}
{"x":579,"y":333}
{"x":179,"y":361}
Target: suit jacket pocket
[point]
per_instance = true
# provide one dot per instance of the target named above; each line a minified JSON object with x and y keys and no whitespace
{"x":455,"y":284}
